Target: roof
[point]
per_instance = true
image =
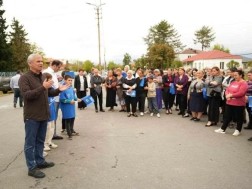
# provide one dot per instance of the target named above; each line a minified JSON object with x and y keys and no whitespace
{"x":214,"y":54}
{"x":190,"y":51}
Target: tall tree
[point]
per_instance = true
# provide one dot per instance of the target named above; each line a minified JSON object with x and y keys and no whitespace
{"x":141,"y":62}
{"x":5,"y":54}
{"x":233,"y":64}
{"x":221,"y":48}
{"x":160,"y":56}
{"x":112,"y":65}
{"x":164,"y":33}
{"x":126,"y":59}
{"x":204,"y":36}
{"x":20,"y":48}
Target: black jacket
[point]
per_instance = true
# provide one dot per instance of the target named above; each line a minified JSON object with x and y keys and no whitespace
{"x":77,"y":83}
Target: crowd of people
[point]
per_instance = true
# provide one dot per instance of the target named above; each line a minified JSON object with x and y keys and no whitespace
{"x":223,"y":97}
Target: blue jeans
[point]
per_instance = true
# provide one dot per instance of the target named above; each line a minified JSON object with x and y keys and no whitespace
{"x":35,"y":133}
{"x":153,"y":107}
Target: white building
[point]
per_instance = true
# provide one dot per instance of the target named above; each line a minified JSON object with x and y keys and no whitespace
{"x":187,"y":53}
{"x":210,"y":59}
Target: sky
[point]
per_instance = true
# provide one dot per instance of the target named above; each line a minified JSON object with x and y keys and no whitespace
{"x":67,"y":29}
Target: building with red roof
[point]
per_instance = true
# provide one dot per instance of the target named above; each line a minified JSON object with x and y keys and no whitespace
{"x":211,"y":59}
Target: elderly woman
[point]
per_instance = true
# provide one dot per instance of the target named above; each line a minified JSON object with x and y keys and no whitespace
{"x":235,"y":104}
{"x":213,"y":83}
{"x":129,"y":85}
{"x":119,"y":90}
{"x":159,"y":84}
{"x":110,"y":84}
{"x":197,"y":103}
{"x":96,"y":82}
{"x":181,"y":84}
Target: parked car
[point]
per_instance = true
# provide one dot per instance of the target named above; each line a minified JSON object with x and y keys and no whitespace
{"x":5,"y":84}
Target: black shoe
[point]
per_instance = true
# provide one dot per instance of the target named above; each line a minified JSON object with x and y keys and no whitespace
{"x":196,"y":119}
{"x":186,"y":115}
{"x":36,"y":173}
{"x":122,"y":110}
{"x":102,"y":110}
{"x":135,"y":115}
{"x":180,"y":113}
{"x":57,"y":137}
{"x":45,"y":165}
{"x":193,"y":118}
{"x":96,"y":111}
{"x":250,"y":139}
{"x":129,"y":114}
{"x":248,"y":128}
{"x":15,"y":105}
{"x":75,"y":133}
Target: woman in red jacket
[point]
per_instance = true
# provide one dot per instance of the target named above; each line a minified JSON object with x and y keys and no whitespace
{"x":236,"y":102}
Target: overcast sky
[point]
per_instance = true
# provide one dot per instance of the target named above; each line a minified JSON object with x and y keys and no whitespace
{"x":67,"y":29}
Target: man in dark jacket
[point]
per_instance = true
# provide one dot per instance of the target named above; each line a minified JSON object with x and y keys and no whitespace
{"x":35,"y":91}
{"x":81,"y":86}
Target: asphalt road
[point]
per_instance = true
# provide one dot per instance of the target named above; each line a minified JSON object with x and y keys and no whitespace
{"x":117,"y":152}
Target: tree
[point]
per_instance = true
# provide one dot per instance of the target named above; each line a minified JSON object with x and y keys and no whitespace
{"x":204,"y":36}
{"x":5,"y":54}
{"x":177,"y":64}
{"x":232,"y":64}
{"x":221,"y":48}
{"x":112,"y":65}
{"x":141,"y":62}
{"x":20,"y":48}
{"x":35,"y":49}
{"x":88,"y":65}
{"x":164,"y":33}
{"x":160,"y":56}
{"x":126,"y":59}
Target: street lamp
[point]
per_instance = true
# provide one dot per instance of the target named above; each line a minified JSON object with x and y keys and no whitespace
{"x":98,"y":9}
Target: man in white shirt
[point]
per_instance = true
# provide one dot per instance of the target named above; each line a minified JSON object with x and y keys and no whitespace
{"x":15,"y":87}
{"x":54,"y":67}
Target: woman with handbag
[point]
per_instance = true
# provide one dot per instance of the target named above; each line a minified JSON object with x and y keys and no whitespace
{"x":213,"y":84}
{"x":129,"y":85}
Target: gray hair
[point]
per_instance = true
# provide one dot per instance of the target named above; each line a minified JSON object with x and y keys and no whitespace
{"x":31,"y":57}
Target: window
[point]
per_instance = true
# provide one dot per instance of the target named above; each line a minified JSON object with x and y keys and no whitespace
{"x":221,"y":65}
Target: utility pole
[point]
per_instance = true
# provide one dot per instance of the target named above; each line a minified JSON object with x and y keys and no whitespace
{"x":98,"y":13}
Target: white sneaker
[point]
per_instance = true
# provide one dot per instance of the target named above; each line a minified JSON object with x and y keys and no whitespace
{"x":45,"y":154}
{"x":151,"y":114}
{"x":52,"y":145}
{"x":219,"y":131}
{"x":141,"y":113}
{"x":47,"y":148}
{"x":236,"y":133}
{"x":158,"y":115}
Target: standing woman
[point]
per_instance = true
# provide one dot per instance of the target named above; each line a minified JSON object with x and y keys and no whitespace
{"x":197,"y":103}
{"x":214,"y":89}
{"x":81,"y":86}
{"x":235,"y":104}
{"x":110,"y":84}
{"x":96,"y":82}
{"x":140,"y":91}
{"x":168,"y":98}
{"x":159,"y":85}
{"x":129,"y":85}
{"x":119,"y":90}
{"x":181,"y":84}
